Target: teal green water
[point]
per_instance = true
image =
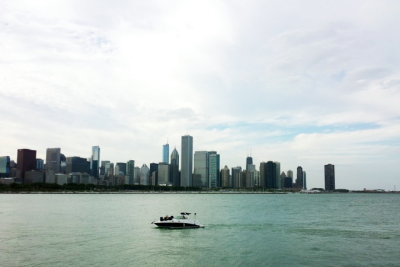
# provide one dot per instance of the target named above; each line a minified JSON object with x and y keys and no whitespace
{"x":241,"y":230}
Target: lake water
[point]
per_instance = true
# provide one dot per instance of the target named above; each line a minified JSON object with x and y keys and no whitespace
{"x":241,"y":230}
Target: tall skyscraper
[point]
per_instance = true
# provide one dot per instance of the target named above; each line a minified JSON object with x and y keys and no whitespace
{"x":236,"y":177}
{"x":120,"y":169}
{"x":163,"y":174}
{"x":304,"y":180}
{"x":53,"y":159}
{"x":213,"y":170}
{"x":249,"y":161}
{"x":5,"y":169}
{"x":153,"y":174}
{"x":144,"y":175}
{"x":26,"y":161}
{"x":329,"y":177}
{"x":186,"y":160}
{"x":130,"y":171}
{"x":250,"y":175}
{"x":175,"y":177}
{"x":200,"y":169}
{"x":166,"y":153}
{"x":95,"y":161}
{"x":225,"y":177}
{"x":299,"y":177}
{"x":277,"y":175}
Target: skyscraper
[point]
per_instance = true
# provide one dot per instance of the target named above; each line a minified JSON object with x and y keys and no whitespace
{"x":5,"y":169}
{"x":236,"y":177}
{"x":163,"y":174}
{"x":26,"y":161}
{"x":225,"y":177}
{"x":130,"y":171}
{"x":200,"y":169}
{"x":186,"y":160}
{"x":77,"y":164}
{"x":175,"y":179}
{"x":144,"y":175}
{"x":53,"y":164}
{"x":329,"y":177}
{"x":249,"y":161}
{"x":299,"y":177}
{"x":213,"y":170}
{"x":95,"y":161}
{"x":166,"y":153}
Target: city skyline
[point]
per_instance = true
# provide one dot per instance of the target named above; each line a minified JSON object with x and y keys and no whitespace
{"x":306,"y":85}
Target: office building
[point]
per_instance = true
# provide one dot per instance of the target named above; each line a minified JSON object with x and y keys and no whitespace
{"x":5,"y":168}
{"x":213,"y":170}
{"x":236,"y":177}
{"x":163,"y":174}
{"x":130,"y":172}
{"x":174,"y":168}
{"x":299,"y":177}
{"x":329,"y":177}
{"x":304,"y":180}
{"x":186,"y":160}
{"x":144,"y":175}
{"x":250,"y":175}
{"x":77,"y":164}
{"x":153,"y":174}
{"x":53,"y":164}
{"x":120,"y":169}
{"x":39,"y":164}
{"x":136,"y":180}
{"x":225,"y":178}
{"x":200,"y":169}
{"x":26,"y":161}
{"x":165,"y":157}
{"x":95,"y":161}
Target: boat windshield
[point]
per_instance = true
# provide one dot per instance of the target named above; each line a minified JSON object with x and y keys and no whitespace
{"x":181,"y":217}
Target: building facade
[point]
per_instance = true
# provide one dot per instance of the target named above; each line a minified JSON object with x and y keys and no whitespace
{"x":165,"y":154}
{"x":330,"y":177}
{"x":95,"y":161}
{"x":174,"y":168}
{"x":186,"y":160}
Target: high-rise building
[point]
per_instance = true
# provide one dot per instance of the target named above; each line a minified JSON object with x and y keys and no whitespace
{"x":263,"y":167}
{"x":166,"y":153}
{"x":53,"y":164}
{"x":153,"y":174}
{"x":213,"y":170}
{"x":304,"y":180}
{"x":278,"y":183}
{"x":225,"y":177}
{"x":109,"y":169}
{"x":236,"y":177}
{"x":200,"y":169}
{"x":249,"y":161}
{"x":95,"y":161}
{"x":39,"y":164}
{"x":174,"y":176}
{"x":103,"y":167}
{"x":163,"y":174}
{"x":120,"y":168}
{"x":5,"y":168}
{"x":144,"y":175}
{"x":77,"y":164}
{"x":26,"y":161}
{"x":136,"y":179}
{"x":130,"y":171}
{"x":329,"y":177}
{"x":290,"y":174}
{"x":186,"y":161}
{"x":299,"y":177}
{"x":250,"y":175}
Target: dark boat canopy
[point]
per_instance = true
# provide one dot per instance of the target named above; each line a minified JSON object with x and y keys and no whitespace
{"x":185,"y":213}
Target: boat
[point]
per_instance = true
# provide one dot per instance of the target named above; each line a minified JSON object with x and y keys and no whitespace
{"x":181,"y":221}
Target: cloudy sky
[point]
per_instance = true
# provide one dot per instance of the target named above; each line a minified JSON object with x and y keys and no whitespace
{"x":300,"y":82}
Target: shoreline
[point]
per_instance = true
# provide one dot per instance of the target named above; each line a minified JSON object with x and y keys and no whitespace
{"x":190,"y":192}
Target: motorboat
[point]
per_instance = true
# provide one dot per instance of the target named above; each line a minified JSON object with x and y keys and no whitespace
{"x":181,"y":221}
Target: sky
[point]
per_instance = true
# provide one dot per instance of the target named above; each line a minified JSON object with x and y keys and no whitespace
{"x":299,"y":82}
